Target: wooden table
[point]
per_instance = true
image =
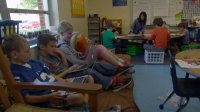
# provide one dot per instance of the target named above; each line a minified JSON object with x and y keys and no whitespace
{"x":143,"y":37}
{"x":133,"y":37}
{"x":188,"y":56}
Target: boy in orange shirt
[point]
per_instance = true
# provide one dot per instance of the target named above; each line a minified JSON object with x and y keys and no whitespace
{"x":160,"y":37}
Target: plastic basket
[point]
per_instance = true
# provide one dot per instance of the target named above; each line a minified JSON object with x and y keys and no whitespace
{"x":190,"y":46}
{"x":154,"y":57}
{"x":134,"y":49}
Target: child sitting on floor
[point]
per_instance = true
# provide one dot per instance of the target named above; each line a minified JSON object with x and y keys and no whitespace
{"x":26,"y":70}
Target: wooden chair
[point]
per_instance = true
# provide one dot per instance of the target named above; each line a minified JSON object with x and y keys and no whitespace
{"x":91,"y":89}
{"x":19,"y":107}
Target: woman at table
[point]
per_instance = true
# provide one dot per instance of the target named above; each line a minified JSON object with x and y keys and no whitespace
{"x":139,"y":24}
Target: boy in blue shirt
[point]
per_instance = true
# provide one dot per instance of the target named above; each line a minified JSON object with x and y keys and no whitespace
{"x":26,"y":70}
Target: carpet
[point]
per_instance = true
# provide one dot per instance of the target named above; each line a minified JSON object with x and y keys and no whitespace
{"x":173,"y":101}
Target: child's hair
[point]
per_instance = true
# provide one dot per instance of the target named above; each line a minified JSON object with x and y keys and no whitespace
{"x":13,"y":43}
{"x":164,"y":22}
{"x":183,"y":25}
{"x":44,"y":39}
{"x":158,"y":21}
{"x":145,"y":17}
{"x":64,"y":26}
{"x":109,"y":24}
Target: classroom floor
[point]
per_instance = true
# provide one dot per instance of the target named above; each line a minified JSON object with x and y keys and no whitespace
{"x":152,"y":84}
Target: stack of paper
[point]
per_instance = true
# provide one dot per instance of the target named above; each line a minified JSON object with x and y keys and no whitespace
{"x":185,"y":64}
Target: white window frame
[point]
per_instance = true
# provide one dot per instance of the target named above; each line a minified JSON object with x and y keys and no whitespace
{"x":6,"y":11}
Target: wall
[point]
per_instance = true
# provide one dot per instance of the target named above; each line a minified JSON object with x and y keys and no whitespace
{"x":64,"y":13}
{"x":105,"y":9}
{"x":155,"y":8}
{"x":102,"y":7}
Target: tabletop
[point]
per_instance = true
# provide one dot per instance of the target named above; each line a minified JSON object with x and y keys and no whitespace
{"x":191,"y":57}
{"x":143,"y":37}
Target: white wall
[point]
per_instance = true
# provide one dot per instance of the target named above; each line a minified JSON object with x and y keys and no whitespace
{"x":62,"y":11}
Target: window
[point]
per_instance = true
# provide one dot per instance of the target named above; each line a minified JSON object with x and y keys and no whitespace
{"x":32,"y":13}
{"x":28,"y":4}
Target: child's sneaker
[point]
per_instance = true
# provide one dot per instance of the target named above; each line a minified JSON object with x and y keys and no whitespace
{"x":120,"y":84}
{"x":131,"y":71}
{"x":128,"y":69}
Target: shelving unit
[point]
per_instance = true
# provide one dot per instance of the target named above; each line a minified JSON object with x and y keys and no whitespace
{"x":94,"y":28}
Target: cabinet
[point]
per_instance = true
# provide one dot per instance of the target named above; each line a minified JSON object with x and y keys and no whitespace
{"x":94,"y":28}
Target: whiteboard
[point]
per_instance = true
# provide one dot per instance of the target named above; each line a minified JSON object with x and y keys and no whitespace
{"x":140,"y":6}
{"x":160,"y":7}
{"x":167,"y":9}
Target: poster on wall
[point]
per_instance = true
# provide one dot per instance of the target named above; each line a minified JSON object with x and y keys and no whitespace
{"x":119,"y":2}
{"x":78,"y":9}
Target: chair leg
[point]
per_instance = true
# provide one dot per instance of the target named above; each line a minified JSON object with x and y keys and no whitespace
{"x":161,"y":106}
{"x":183,"y":104}
{"x":187,"y":75}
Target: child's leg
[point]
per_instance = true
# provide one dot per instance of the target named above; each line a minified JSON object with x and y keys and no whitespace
{"x":102,"y":52}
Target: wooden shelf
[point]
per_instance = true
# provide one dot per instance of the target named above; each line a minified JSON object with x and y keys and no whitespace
{"x":94,"y":28}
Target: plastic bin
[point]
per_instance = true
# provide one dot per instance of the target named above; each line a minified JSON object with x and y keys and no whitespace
{"x":134,"y":49}
{"x":154,"y":57}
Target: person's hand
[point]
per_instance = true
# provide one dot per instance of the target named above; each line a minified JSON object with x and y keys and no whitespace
{"x":55,"y":96}
{"x":79,"y":54}
{"x":58,"y":51}
{"x":142,"y":32}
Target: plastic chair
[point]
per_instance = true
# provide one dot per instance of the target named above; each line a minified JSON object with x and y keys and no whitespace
{"x":183,"y":87}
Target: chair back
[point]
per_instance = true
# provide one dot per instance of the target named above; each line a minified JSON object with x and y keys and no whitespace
{"x":8,"y":27}
{"x":4,"y":97}
{"x":173,"y":71}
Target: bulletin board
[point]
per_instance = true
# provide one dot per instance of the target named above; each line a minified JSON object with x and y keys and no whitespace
{"x":119,"y":2}
{"x":167,"y":9}
{"x":78,"y":8}
{"x":190,"y":9}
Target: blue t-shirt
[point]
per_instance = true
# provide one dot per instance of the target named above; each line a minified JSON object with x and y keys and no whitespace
{"x":186,"y":38}
{"x":34,"y":72}
{"x":137,"y":27}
